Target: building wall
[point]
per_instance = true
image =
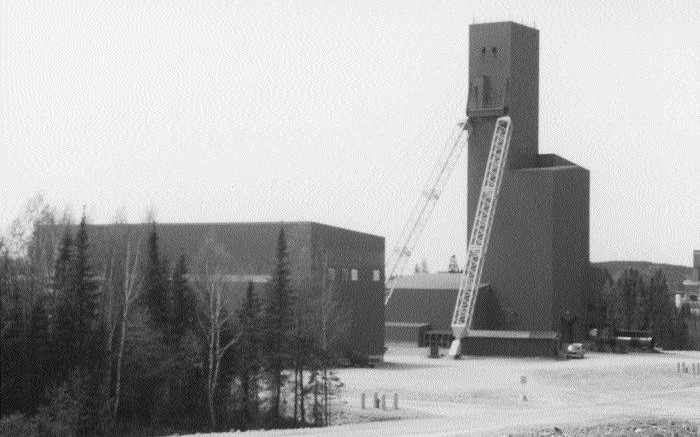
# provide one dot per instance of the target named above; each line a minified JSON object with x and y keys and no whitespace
{"x":342,"y":250}
{"x":434,"y":307}
{"x":521,"y":347}
{"x":519,"y":261}
{"x":252,"y":249}
{"x":571,"y":246}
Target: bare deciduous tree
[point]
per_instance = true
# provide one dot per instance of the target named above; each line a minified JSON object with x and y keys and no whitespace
{"x":130,"y":291}
{"x":214,"y":317}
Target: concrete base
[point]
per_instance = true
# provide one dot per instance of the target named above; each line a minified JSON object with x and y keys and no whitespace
{"x":455,"y":349}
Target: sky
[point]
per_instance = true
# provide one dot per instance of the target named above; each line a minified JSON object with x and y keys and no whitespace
{"x":224,"y":111}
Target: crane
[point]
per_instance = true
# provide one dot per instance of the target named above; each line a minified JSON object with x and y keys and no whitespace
{"x":423,"y":208}
{"x":480,"y":233}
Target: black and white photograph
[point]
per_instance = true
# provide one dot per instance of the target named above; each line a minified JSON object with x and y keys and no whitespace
{"x":270,"y":218}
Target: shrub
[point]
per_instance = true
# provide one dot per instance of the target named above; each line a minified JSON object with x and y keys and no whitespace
{"x":41,"y":425}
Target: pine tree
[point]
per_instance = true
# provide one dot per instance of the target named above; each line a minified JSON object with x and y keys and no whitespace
{"x":85,"y":290}
{"x":13,"y":359}
{"x":453,"y":267}
{"x":278,"y":324}
{"x":78,"y":334}
{"x":424,"y":266}
{"x":182,"y":302}
{"x":249,"y":319}
{"x":90,"y":336}
{"x":155,"y":285}
{"x":64,"y":317}
{"x":39,"y":354}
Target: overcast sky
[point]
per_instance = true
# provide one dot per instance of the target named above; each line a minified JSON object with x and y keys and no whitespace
{"x":336,"y":111}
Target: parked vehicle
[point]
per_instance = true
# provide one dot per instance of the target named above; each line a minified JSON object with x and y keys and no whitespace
{"x":574,"y":350}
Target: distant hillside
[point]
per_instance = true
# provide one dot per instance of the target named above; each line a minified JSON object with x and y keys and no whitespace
{"x":674,"y":274}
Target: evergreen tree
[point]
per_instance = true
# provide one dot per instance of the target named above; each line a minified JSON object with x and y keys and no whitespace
{"x":666,"y":323}
{"x":63,"y":331}
{"x":453,"y":267}
{"x":39,"y":355}
{"x":90,"y":336}
{"x":156,"y":285}
{"x":249,"y":319}
{"x":63,"y":264}
{"x":13,"y":359}
{"x":182,"y":302}
{"x":630,"y":289}
{"x":278,"y":325}
{"x":78,"y":333}
{"x":85,"y":291}
{"x":424,"y":266}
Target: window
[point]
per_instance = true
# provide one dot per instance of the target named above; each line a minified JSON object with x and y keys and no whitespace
{"x":346,"y":275}
{"x":376,"y":275}
{"x":331,"y":274}
{"x":353,"y":274}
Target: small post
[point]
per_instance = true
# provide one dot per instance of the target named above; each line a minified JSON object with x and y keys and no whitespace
{"x":523,"y":381}
{"x":685,"y":368}
{"x":376,"y":400}
{"x":362,"y":400}
{"x":396,"y":401}
{"x":383,"y":402}
{"x":678,"y":365}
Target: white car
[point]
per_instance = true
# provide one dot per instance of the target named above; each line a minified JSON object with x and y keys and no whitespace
{"x":574,"y":350}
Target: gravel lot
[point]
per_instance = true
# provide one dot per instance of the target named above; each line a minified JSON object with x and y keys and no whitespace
{"x":636,"y":394}
{"x":647,"y":428}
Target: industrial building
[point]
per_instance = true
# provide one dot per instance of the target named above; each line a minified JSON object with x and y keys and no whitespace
{"x":531,"y":291}
{"x":689,"y":297}
{"x":690,"y":292}
{"x":322,"y":258}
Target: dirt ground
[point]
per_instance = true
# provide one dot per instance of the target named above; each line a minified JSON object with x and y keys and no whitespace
{"x":637,"y":428}
{"x":486,"y":396}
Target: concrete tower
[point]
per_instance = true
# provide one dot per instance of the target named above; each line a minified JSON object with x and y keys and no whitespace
{"x":538,"y":252}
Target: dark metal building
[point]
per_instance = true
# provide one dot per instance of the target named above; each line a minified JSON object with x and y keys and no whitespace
{"x":539,"y":247}
{"x":533,"y":276}
{"x":346,"y":263}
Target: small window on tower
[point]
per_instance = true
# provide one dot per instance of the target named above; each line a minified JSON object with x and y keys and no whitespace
{"x":331,"y":274}
{"x":353,"y":274}
{"x":376,"y":275}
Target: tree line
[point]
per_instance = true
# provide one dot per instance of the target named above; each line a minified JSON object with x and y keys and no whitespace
{"x":635,"y":301}
{"x":139,"y":345}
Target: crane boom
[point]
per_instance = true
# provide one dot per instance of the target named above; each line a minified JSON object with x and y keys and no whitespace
{"x":481,"y":231}
{"x":423,"y":208}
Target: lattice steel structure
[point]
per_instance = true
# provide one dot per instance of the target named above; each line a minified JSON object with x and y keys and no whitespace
{"x":412,"y":231}
{"x":481,"y":229}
